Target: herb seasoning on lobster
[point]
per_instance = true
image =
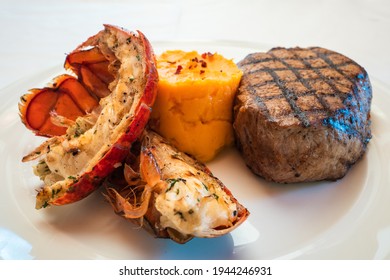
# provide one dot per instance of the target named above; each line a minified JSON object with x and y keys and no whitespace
{"x":172,"y":195}
{"x":117,"y":69}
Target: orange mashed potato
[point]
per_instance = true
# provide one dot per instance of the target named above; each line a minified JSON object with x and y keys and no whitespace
{"x":194,"y":104}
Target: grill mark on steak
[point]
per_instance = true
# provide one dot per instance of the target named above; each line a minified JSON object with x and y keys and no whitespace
{"x":261,"y":104}
{"x":361,"y":77}
{"x":325,"y":57}
{"x":311,"y":90}
{"x":281,"y":63}
{"x":291,"y":97}
{"x":298,"y":92}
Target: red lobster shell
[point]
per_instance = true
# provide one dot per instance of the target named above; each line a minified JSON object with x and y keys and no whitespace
{"x":114,"y":66}
{"x":173,"y":195}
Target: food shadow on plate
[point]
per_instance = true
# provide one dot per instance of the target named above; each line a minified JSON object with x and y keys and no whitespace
{"x":288,"y":216}
{"x":93,"y":223}
{"x":200,"y":249}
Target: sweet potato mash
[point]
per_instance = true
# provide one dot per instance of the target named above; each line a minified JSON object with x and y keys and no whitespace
{"x":194,"y":103}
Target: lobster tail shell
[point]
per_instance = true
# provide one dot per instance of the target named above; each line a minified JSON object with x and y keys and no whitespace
{"x":166,"y":176}
{"x":129,"y":100}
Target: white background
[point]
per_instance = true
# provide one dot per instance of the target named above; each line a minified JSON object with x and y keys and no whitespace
{"x":36,"y":35}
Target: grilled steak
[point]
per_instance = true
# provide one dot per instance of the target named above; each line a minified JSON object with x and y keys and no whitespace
{"x":302,"y":114}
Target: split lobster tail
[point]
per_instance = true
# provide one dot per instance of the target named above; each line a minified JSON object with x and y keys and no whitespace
{"x":174,"y":196}
{"x":104,"y":110}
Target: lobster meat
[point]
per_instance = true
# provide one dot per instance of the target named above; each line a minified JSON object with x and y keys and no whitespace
{"x":172,"y":195}
{"x":98,"y":138}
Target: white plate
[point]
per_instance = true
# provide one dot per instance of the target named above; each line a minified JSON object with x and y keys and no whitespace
{"x":347,"y":219}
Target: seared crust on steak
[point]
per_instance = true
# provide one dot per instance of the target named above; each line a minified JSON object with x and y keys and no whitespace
{"x":302,"y":114}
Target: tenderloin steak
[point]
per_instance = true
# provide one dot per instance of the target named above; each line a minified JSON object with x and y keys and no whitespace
{"x":302,"y":114}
